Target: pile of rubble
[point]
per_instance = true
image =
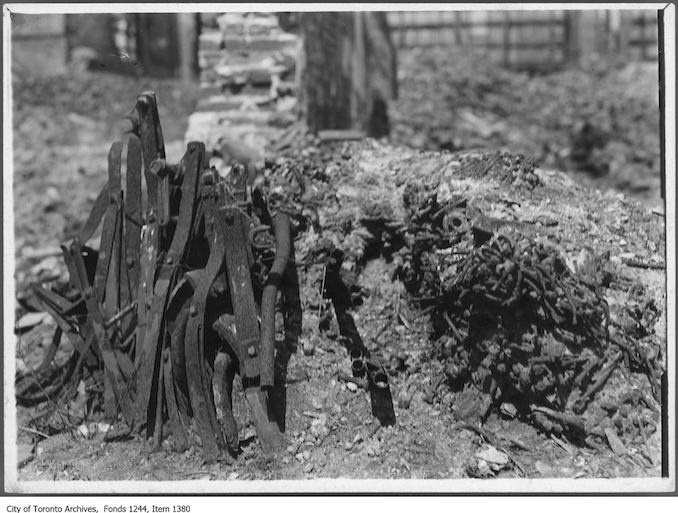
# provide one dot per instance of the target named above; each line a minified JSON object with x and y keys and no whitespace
{"x":601,"y":119}
{"x":518,"y":324}
{"x":517,"y":327}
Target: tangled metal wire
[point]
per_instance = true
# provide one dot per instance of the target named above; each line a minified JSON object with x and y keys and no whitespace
{"x":516,"y":321}
{"x":509,"y":317}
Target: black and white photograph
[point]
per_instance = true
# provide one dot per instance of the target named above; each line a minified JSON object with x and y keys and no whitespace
{"x":338,"y":248}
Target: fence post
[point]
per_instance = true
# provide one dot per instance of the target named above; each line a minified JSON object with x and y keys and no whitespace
{"x":573,"y":36}
{"x":187,"y":25}
{"x":506,"y":26}
{"x":625,"y":19}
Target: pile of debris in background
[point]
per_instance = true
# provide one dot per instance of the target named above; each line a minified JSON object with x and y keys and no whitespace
{"x":601,"y":119}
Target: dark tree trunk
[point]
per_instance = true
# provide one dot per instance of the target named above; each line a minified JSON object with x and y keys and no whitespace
{"x":346,"y":71}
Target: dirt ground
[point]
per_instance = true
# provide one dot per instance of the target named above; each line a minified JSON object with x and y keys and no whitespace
{"x":61,"y":142}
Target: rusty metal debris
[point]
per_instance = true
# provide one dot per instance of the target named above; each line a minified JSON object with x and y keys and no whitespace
{"x":512,"y":323}
{"x":166,"y":312}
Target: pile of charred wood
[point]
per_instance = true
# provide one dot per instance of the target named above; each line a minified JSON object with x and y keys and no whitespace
{"x":180,"y":297}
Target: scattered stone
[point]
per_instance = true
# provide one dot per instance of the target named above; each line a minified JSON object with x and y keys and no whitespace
{"x":479,"y":468}
{"x":543,"y":468}
{"x":51,"y":196}
{"x":496,"y":459}
{"x":39,"y":253}
{"x":29,"y":320}
{"x":248,"y":434}
{"x":308,"y":347}
{"x":404,"y":399}
{"x":352,"y":387}
{"x":616,"y":444}
{"x":319,"y":427}
{"x":24,"y":453}
{"x":508,"y":410}
{"x":46,"y":269}
{"x":373,"y":448}
{"x":21,"y":367}
{"x":78,"y":407}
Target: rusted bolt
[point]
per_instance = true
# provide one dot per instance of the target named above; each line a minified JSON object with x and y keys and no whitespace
{"x":143,"y":101}
{"x":358,"y":368}
{"x":207,"y":178}
{"x":252,"y":351}
{"x":169,"y":260}
{"x":356,"y":354}
{"x":380,"y":379}
{"x":130,"y":262}
{"x":193,"y":310}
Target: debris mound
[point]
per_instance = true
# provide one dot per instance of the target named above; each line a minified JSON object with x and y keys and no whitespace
{"x":508,"y":168}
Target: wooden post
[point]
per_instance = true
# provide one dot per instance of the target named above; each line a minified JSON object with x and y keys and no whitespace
{"x":573,"y":34}
{"x":187,"y":25}
{"x":624,"y":30}
{"x":506,"y":26}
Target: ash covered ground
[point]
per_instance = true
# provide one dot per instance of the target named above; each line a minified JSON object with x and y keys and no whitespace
{"x":520,"y":314}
